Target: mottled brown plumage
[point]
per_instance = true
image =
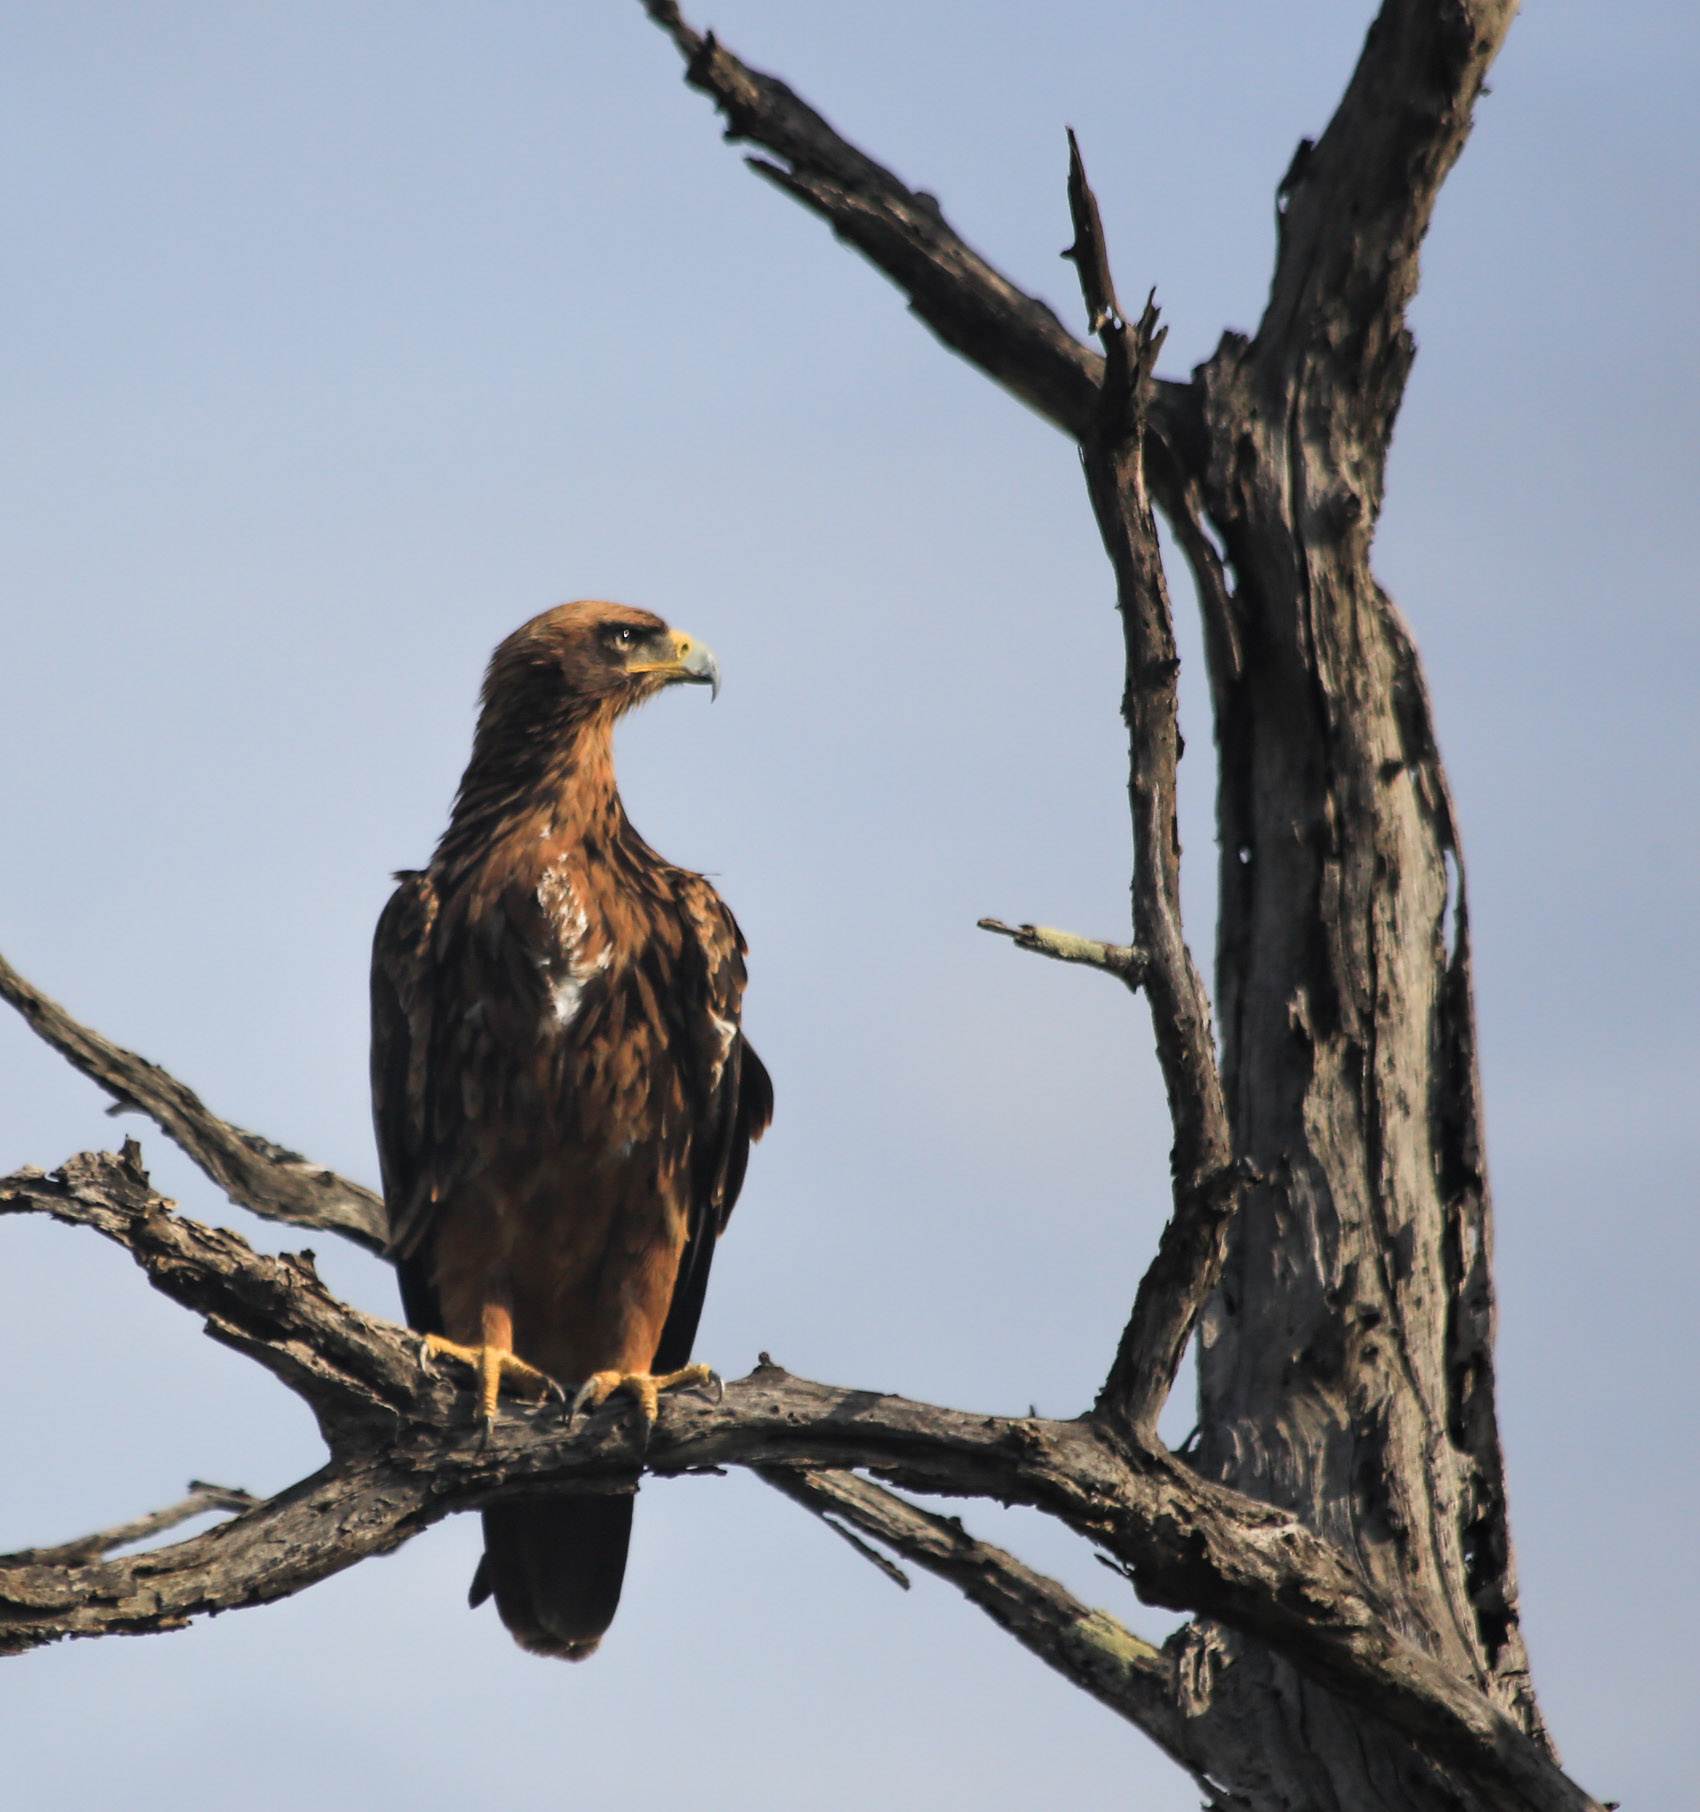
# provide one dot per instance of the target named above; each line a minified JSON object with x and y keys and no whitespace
{"x":563,"y":1098}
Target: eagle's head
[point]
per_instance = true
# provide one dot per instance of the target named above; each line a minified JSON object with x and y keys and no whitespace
{"x":591,"y":657}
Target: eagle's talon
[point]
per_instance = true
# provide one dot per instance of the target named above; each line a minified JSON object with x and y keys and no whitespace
{"x":645,"y":1386}
{"x":582,"y":1398}
{"x":494,"y":1365}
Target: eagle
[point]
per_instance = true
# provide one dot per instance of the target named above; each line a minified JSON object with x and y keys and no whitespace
{"x":563,"y":1097}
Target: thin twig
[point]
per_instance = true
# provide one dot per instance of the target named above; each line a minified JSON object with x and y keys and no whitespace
{"x":819,"y":1499}
{"x":1180,"y":496}
{"x":1088,"y":1646}
{"x":1127,"y":962}
{"x":201,"y":1499}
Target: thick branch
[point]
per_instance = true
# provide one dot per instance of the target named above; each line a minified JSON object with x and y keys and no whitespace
{"x":1354,"y":208}
{"x":1189,"y":1256}
{"x":274,"y":1182}
{"x":206,"y":1575}
{"x":407,"y":1451}
{"x":358,"y":1374}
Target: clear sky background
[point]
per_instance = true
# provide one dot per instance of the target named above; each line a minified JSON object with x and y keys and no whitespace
{"x":339,"y":340}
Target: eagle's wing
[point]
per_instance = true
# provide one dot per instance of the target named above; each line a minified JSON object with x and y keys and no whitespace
{"x":731,"y":1099}
{"x":402,"y":1116}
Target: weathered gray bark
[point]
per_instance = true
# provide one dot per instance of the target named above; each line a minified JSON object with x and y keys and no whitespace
{"x":1346,"y":1360}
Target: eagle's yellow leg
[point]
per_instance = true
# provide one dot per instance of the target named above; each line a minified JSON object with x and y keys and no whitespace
{"x":645,"y":1386}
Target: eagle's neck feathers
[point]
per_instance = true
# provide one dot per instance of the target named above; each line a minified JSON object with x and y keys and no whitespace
{"x":532,"y":787}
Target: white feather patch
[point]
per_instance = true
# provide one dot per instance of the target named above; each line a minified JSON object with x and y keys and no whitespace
{"x":569,"y":965}
{"x":727,"y":1032}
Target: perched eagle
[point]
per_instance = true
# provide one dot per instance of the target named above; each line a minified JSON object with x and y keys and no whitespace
{"x":563,"y":1098}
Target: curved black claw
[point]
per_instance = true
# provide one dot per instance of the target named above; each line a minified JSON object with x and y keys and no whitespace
{"x":716,"y":1384}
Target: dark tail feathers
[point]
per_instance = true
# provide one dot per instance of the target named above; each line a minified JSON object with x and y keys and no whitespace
{"x":555,"y":1568}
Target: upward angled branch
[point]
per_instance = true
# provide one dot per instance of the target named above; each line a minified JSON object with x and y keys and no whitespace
{"x":1356,"y":1330}
{"x":1353,"y":210}
{"x":972,"y":307}
{"x":279,"y":1184}
{"x":1189,"y":1257}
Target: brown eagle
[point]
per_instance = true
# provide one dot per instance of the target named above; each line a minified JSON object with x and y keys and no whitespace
{"x":563,"y":1098}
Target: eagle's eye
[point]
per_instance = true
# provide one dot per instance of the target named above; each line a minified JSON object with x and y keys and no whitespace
{"x":624,"y":636}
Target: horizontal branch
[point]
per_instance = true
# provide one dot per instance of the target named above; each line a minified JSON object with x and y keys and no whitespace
{"x":1127,"y":962}
{"x":206,"y":1574}
{"x":269,"y":1179}
{"x":408,"y":1449}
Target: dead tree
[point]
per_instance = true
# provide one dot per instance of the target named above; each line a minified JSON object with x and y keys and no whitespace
{"x":1339,"y":1531}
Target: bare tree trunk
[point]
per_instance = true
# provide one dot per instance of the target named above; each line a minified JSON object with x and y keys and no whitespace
{"x":1346,"y":1359}
{"x":1346,"y":1356}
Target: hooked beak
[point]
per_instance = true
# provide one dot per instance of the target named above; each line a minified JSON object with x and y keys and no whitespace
{"x":690,"y":662}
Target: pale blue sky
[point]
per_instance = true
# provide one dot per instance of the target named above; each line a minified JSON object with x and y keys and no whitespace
{"x":338,"y":341}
